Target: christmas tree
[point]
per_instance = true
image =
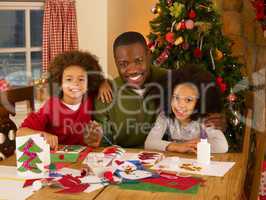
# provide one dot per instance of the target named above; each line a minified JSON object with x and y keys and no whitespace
{"x":29,"y":157}
{"x":188,"y":31}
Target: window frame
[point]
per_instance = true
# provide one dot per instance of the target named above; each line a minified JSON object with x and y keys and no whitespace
{"x":27,"y":7}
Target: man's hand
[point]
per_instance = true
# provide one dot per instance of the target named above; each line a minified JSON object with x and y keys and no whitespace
{"x":93,"y":134}
{"x":105,"y":93}
{"x":216,"y":120}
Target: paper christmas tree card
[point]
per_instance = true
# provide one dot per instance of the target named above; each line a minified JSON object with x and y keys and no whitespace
{"x":32,"y":154}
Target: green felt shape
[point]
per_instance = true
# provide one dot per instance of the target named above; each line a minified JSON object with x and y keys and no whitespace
{"x":156,"y":188}
{"x":35,"y":148}
{"x":22,"y":169}
{"x":23,"y":158}
{"x":36,"y":170}
{"x":68,"y":157}
{"x":36,"y":160}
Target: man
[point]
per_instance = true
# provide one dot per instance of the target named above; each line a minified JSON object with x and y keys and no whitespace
{"x":129,"y":117}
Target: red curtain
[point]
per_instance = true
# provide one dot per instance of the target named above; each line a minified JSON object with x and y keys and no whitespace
{"x":59,"y":29}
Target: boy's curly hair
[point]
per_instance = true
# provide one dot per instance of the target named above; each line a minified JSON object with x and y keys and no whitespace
{"x":83,"y":59}
{"x":209,"y":101}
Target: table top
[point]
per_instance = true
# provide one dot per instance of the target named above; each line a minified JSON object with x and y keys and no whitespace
{"x":216,"y":188}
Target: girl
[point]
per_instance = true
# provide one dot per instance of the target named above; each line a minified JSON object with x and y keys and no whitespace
{"x":190,"y":98}
{"x":64,"y":119}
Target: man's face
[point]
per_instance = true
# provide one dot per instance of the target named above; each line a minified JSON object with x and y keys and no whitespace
{"x":133,"y":64}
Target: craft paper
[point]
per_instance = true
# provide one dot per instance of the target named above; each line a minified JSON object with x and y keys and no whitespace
{"x":156,"y":188}
{"x":32,"y":154}
{"x":67,"y":157}
{"x":174,"y":164}
{"x":181,"y":183}
{"x":12,"y":189}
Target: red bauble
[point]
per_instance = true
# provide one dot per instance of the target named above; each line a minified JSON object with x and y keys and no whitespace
{"x":170,"y":37}
{"x":197,"y":53}
{"x":223,"y":87}
{"x":219,"y":80}
{"x":232,"y":97}
{"x":192,"y":14}
{"x":183,"y":25}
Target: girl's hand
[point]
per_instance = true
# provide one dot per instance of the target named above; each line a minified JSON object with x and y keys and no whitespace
{"x":105,"y":93}
{"x":51,"y":139}
{"x":93,"y":134}
{"x":188,"y":146}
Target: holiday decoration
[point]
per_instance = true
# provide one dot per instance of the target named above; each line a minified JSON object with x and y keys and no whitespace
{"x":170,"y":37}
{"x":260,"y":7}
{"x":192,"y":14}
{"x":189,"y":24}
{"x":176,"y":9}
{"x":197,"y":38}
{"x":179,"y":40}
{"x":33,"y":154}
{"x":218,"y":55}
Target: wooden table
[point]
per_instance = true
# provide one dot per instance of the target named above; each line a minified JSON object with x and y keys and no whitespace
{"x":216,"y":188}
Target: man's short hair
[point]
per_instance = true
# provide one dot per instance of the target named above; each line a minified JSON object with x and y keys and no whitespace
{"x":128,"y":38}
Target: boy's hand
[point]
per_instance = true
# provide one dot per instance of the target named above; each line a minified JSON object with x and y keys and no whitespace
{"x":93,"y":134}
{"x":51,"y":139}
{"x":216,"y":120}
{"x":105,"y":92}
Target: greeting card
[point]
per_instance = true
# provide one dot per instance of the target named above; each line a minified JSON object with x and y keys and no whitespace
{"x":32,"y":154}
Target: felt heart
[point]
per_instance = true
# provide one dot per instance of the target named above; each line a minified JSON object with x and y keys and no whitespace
{"x":118,"y":162}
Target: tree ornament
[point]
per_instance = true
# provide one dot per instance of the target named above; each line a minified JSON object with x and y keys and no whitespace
{"x":218,"y":54}
{"x":181,"y":25}
{"x":197,"y":53}
{"x":189,"y":24}
{"x":170,"y":37}
{"x":192,"y":14}
{"x":185,"y":45}
{"x":213,"y":62}
{"x":232,"y":98}
{"x":169,"y":2}
{"x":176,"y":9}
{"x":164,"y":55}
{"x":151,"y":45}
{"x":203,"y":26}
{"x":179,"y":40}
{"x":235,"y":120}
{"x":221,"y":84}
{"x":154,"y":9}
{"x":159,"y":9}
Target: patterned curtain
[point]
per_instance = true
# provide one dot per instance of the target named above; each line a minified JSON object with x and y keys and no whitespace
{"x":59,"y":29}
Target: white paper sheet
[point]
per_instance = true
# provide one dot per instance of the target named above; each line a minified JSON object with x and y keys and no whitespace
{"x":215,"y":168}
{"x":10,"y":181}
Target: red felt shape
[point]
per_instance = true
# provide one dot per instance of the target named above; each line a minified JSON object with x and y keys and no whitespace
{"x":83,"y":154}
{"x":118,"y":162}
{"x":69,"y":181}
{"x":61,"y":157}
{"x":75,"y":189}
{"x":181,"y":183}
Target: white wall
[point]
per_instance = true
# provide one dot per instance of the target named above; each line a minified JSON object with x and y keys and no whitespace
{"x":101,"y":21}
{"x":92,"y":28}
{"x":126,"y":15}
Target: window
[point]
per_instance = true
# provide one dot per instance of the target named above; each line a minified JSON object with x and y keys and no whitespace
{"x":20,"y":41}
